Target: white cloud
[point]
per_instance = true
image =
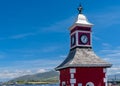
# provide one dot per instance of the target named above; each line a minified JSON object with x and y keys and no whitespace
{"x":113,"y":70}
{"x":50,"y":49}
{"x":29,"y":67}
{"x":60,"y":26}
{"x":111,"y":52}
{"x":114,"y":54}
{"x":7,"y":74}
{"x":111,"y":55}
{"x":41,"y":70}
{"x":106,"y":19}
{"x":20,"y":68}
{"x":63,"y":56}
{"x":96,"y":38}
{"x":106,"y":59}
{"x":106,"y":45}
{"x":18,"y":36}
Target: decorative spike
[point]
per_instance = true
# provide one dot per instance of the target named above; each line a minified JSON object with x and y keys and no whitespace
{"x":80,"y":8}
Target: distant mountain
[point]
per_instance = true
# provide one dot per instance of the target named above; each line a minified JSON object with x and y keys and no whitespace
{"x":51,"y":76}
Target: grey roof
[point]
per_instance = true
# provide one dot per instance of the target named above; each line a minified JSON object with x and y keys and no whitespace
{"x":83,"y":57}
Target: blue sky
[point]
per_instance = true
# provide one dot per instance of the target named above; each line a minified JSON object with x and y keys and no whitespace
{"x":34,"y":35}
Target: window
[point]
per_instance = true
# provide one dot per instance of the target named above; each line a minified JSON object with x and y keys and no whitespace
{"x":63,"y":83}
{"x":89,"y":84}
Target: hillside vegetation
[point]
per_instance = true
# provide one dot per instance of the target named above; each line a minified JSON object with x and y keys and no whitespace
{"x":39,"y":78}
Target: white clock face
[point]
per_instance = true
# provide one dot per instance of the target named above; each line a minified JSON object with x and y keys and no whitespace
{"x":84,"y":39}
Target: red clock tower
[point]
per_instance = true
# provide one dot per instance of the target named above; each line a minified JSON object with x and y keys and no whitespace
{"x":82,"y":67}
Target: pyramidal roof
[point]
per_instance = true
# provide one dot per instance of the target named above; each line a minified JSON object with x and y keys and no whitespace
{"x":83,"y":57}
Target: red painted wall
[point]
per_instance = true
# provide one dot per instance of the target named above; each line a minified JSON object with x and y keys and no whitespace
{"x":65,"y":76}
{"x":80,"y":28}
{"x":83,"y":75}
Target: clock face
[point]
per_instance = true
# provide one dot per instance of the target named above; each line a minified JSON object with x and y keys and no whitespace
{"x":73,"y":40}
{"x":84,"y":39}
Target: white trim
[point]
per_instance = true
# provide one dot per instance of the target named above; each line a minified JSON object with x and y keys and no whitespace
{"x":84,"y":31}
{"x":81,"y":46}
{"x":73,"y":33}
{"x":72,"y":76}
{"x":104,"y":70}
{"x":77,"y":38}
{"x":82,"y":25}
{"x":79,"y":84}
{"x":63,"y":83}
{"x":71,"y":40}
{"x":72,"y":70}
{"x":77,"y":31}
{"x":106,"y":84}
{"x":91,"y":39}
{"x":104,"y":80}
{"x":73,"y":46}
{"x":84,"y":45}
{"x":105,"y":75}
{"x":73,"y":81}
{"x":72,"y":84}
{"x":90,"y":84}
{"x":89,"y":45}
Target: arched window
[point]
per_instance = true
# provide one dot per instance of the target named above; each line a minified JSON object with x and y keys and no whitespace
{"x":90,"y":84}
{"x":63,"y":84}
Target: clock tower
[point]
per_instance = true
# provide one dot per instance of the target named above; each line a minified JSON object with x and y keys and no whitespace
{"x":82,"y":67}
{"x":80,"y":32}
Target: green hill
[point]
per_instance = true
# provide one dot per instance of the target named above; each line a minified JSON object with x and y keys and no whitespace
{"x":46,"y":77}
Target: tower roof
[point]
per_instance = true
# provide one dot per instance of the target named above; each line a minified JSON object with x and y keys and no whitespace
{"x":83,"y":57}
{"x":81,"y":20}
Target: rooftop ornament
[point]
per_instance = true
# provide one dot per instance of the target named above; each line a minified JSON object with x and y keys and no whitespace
{"x":80,"y":8}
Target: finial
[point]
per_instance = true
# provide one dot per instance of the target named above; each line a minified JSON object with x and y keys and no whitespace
{"x":80,"y":8}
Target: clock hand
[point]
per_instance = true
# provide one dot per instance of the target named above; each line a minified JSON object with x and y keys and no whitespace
{"x":84,"y":39}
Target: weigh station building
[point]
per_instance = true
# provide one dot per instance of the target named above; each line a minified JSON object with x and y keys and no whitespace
{"x":82,"y":67}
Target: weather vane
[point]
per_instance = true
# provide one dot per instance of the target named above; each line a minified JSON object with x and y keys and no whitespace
{"x":80,"y":8}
